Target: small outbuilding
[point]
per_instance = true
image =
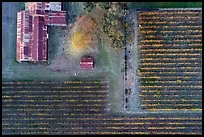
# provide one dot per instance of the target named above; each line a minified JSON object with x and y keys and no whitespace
{"x":87,"y":63}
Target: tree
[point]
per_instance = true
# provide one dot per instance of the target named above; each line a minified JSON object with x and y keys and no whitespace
{"x":88,"y":6}
{"x":97,"y":14}
{"x":103,"y":5}
{"x":83,"y":32}
{"x":115,"y":22}
{"x":81,"y":39}
{"x":110,"y":20}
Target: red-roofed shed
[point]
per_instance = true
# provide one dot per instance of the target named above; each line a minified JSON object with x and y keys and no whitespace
{"x":87,"y":63}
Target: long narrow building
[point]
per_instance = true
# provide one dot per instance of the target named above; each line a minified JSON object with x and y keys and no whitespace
{"x":32,"y":25}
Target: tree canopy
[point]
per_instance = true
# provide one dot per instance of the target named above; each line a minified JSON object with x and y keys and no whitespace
{"x":83,"y":32}
{"x":113,"y":24}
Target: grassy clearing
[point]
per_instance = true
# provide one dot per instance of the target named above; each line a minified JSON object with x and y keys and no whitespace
{"x":134,"y":5}
{"x":53,"y":42}
{"x":109,"y":60}
{"x":114,"y":75}
{"x":101,"y":58}
{"x":22,"y":6}
{"x":14,"y":57}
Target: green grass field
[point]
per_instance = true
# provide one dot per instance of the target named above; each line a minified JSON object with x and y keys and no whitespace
{"x":134,"y":5}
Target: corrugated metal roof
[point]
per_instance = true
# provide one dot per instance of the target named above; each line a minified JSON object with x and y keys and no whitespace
{"x":86,"y":63}
{"x":86,"y":59}
{"x":57,"y":18}
{"x":19,"y":35}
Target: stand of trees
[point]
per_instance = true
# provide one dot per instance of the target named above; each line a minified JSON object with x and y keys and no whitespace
{"x":83,"y":32}
{"x":113,"y":24}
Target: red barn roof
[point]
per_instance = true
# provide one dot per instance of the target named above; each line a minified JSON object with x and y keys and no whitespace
{"x":86,"y":63}
{"x":57,"y":18}
{"x":32,"y":24}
